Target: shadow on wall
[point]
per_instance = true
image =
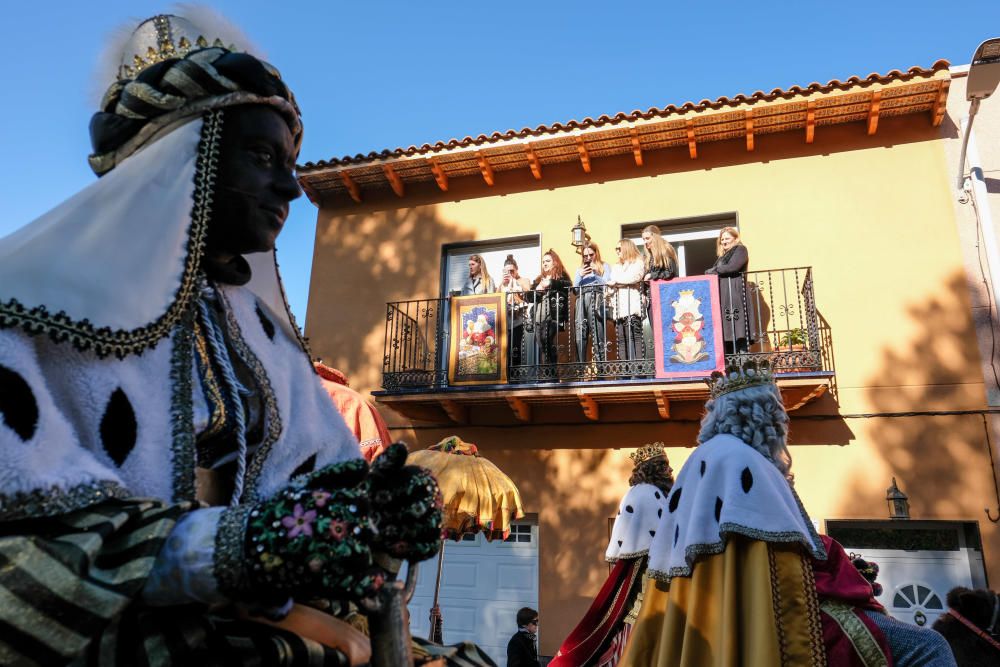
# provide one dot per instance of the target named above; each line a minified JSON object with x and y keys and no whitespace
{"x":574,"y":493}
{"x":361,"y":261}
{"x":941,"y":462}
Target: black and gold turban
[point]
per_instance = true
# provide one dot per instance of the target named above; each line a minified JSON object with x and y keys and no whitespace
{"x":136,"y":111}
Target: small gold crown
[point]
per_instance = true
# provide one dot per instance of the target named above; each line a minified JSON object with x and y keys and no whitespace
{"x":752,"y":374}
{"x":646,"y":452}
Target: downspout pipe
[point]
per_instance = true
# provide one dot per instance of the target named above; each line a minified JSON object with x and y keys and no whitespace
{"x":975,"y":186}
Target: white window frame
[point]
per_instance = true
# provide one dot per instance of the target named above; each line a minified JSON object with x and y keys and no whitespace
{"x":527,"y":250}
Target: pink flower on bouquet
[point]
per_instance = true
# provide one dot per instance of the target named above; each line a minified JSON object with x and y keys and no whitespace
{"x":338,"y":529}
{"x":300,"y":523}
{"x":321,"y":497}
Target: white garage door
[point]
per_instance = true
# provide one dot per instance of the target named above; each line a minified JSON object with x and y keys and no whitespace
{"x":482,"y":587}
{"x":916,"y":583}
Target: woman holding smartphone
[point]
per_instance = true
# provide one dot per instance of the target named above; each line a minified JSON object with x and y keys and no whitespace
{"x":513,"y":284}
{"x":590,"y":308}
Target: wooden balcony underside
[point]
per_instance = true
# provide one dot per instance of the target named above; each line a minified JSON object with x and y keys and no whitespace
{"x":579,"y":402}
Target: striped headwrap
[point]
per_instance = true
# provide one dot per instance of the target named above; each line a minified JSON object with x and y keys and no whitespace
{"x":176,"y":82}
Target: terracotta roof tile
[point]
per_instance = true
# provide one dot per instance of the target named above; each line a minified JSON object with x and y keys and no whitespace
{"x":651,"y":113}
{"x":781,"y":110}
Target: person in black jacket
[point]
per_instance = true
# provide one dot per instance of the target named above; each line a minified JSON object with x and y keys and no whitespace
{"x":551,"y":298}
{"x":661,"y":264}
{"x":522,"y":649}
{"x":731,"y":266}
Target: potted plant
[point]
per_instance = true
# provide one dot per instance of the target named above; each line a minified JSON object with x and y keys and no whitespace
{"x":793,"y":340}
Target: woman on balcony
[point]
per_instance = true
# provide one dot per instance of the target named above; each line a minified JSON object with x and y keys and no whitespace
{"x":512,"y":284}
{"x":551,"y":297}
{"x":626,"y":302}
{"x":731,"y":267}
{"x":479,"y":281}
{"x":661,"y":263}
{"x":590,"y":306}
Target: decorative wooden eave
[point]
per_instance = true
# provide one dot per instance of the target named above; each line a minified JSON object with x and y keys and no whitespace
{"x":536,"y":405}
{"x":749,"y":118}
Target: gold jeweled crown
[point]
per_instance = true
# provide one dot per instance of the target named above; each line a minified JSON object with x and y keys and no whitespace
{"x":160,"y":38}
{"x":751,"y":374}
{"x":646,"y":452}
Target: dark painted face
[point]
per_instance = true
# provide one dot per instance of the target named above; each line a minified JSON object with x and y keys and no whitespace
{"x":255,"y":184}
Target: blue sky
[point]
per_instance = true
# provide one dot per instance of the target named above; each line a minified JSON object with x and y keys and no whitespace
{"x":373,"y":75}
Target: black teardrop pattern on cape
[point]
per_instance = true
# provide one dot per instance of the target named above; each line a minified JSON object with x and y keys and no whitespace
{"x":18,"y":407}
{"x":265,"y":323}
{"x":675,"y":499}
{"x":704,"y":466}
{"x":305,"y":467}
{"x":119,"y":428}
{"x":746,"y":479}
{"x":718,"y":508}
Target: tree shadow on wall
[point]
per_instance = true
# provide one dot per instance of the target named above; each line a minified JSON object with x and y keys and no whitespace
{"x":941,"y":462}
{"x":362,"y":261}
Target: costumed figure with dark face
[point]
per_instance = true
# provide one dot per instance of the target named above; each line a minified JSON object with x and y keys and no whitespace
{"x":600,"y":637}
{"x":739,"y":576}
{"x":170,"y":466}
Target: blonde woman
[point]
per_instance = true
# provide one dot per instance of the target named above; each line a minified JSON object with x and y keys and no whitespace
{"x":661,"y":263}
{"x":731,"y":266}
{"x":626,"y":277}
{"x":479,"y":281}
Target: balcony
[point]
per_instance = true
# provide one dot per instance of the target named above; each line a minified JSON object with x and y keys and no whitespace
{"x":552,"y":378}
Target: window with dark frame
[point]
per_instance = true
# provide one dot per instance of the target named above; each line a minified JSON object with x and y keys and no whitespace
{"x":693,"y":238}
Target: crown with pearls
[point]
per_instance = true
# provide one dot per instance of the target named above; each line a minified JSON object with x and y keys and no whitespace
{"x":751,"y":374}
{"x":160,"y":38}
{"x":646,"y":452}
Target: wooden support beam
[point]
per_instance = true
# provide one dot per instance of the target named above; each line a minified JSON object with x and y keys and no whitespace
{"x":810,"y":121}
{"x":394,"y":180}
{"x":937,"y":115}
{"x":636,"y":146}
{"x":457,"y":412}
{"x":749,"y":131}
{"x":873,"y":111}
{"x":439,"y":175}
{"x":520,"y":408}
{"x":584,"y":155}
{"x":662,"y":404}
{"x":485,"y":168}
{"x":692,"y":144}
{"x":591,"y":410}
{"x":536,"y":166}
{"x":352,"y":187}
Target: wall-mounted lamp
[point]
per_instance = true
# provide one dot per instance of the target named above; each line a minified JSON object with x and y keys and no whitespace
{"x":899,"y":502}
{"x":580,"y":235}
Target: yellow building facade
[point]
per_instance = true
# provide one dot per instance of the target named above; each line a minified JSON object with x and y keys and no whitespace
{"x":862,"y":199}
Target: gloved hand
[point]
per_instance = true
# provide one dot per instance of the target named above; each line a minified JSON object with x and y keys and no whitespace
{"x":405,"y":506}
{"x":309,"y":540}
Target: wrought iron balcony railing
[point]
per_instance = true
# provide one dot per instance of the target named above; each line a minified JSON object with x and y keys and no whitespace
{"x":603,"y":333}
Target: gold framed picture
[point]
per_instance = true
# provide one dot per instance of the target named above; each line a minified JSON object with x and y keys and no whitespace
{"x":477,"y":350}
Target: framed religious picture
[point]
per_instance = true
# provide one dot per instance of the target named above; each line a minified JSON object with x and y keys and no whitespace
{"x":477,"y":349}
{"x":687,"y":327}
